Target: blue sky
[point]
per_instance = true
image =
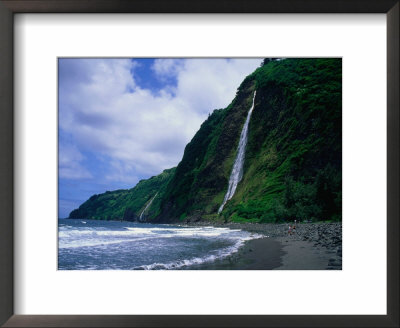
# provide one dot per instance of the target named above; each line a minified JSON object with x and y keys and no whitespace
{"x":123,"y":120}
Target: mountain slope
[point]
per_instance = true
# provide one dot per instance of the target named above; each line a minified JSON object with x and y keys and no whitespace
{"x":126,"y":204}
{"x":293,"y":159}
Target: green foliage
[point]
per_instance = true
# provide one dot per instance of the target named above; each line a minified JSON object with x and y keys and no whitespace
{"x":126,"y":204}
{"x":202,"y":175}
{"x":293,"y":160}
{"x":293,"y":156}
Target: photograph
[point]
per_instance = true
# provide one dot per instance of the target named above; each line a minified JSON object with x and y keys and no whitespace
{"x":199,"y":163}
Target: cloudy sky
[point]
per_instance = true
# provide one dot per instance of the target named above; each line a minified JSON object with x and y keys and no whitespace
{"x":123,"y":120}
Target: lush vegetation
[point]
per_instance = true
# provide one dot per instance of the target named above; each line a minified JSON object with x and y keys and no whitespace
{"x":293,"y":159}
{"x":126,"y":204}
{"x":294,"y":152}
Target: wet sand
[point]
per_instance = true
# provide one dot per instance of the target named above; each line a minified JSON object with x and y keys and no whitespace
{"x":312,"y":247}
{"x":276,"y":253}
{"x":305,"y":255}
{"x":256,"y":254}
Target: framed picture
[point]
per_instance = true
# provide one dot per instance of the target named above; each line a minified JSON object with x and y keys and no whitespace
{"x":46,"y":281}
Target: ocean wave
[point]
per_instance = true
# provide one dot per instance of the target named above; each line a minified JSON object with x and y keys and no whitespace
{"x":152,"y":242}
{"x":94,"y":243}
{"x":160,"y":232}
{"x":221,"y":254}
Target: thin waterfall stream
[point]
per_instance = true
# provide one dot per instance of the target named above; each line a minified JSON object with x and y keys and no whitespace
{"x":237,"y":170}
{"x":147,"y":206}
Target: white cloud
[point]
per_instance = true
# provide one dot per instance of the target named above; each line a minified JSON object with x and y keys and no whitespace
{"x":107,"y":113}
{"x":69,"y":163}
{"x":167,"y":67}
{"x":118,"y":173}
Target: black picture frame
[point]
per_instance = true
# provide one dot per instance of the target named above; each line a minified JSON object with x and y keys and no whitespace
{"x":10,"y":7}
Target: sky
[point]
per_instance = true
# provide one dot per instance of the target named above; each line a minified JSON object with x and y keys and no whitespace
{"x":126,"y":119}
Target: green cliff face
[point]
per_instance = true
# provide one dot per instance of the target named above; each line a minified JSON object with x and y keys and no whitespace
{"x":126,"y":204}
{"x":293,"y":159}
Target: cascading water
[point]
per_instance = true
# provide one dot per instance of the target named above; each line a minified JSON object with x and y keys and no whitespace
{"x":147,"y":206}
{"x":237,"y":170}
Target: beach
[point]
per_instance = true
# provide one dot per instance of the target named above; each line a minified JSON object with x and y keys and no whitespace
{"x":312,"y":246}
{"x":118,"y":245}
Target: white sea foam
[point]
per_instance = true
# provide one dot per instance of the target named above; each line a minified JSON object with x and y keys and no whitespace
{"x":160,"y":232}
{"x":93,"y":243}
{"x":145,"y":246}
{"x":221,"y":254}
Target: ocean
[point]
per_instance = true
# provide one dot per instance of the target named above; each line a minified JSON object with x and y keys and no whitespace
{"x":120,"y":245}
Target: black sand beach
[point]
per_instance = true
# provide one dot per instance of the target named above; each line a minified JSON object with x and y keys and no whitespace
{"x":312,"y":246}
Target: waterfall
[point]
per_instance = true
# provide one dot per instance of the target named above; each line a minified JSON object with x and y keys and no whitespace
{"x":147,"y":206}
{"x":237,"y":170}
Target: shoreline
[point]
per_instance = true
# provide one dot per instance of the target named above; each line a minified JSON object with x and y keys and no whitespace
{"x":313,"y":246}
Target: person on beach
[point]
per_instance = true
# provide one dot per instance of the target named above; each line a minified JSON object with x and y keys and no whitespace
{"x":290,"y":230}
